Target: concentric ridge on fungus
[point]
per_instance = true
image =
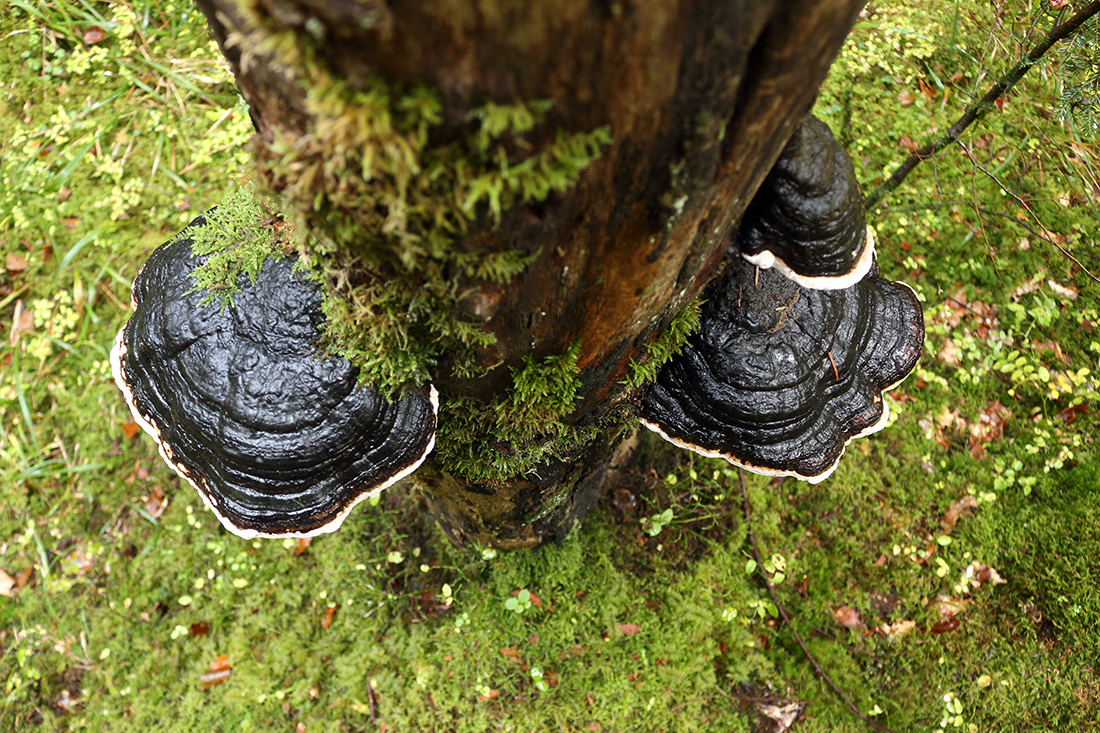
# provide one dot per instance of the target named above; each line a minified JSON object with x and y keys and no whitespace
{"x":779,"y":378}
{"x":807,"y":218}
{"x":278,"y":441}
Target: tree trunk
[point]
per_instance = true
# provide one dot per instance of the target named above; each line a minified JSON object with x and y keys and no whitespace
{"x":698,"y":98}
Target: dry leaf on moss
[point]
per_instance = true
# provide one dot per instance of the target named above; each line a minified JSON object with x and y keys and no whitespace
{"x":848,"y":617}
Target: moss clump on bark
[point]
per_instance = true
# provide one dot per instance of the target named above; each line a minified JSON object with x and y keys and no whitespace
{"x":515,"y":433}
{"x":379,"y":202}
{"x":665,"y":346}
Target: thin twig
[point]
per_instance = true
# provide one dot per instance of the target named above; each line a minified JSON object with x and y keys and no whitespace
{"x":1027,"y":208}
{"x":786,"y":618}
{"x":370,"y":699}
{"x":977,"y":111}
{"x":981,"y":222}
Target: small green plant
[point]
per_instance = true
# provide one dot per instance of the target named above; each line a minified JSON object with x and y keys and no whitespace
{"x":537,"y":679}
{"x":520,"y":602}
{"x":952,"y":712}
{"x":776,"y":567}
{"x":665,"y":346}
{"x":763,"y":609}
{"x":654,"y":524}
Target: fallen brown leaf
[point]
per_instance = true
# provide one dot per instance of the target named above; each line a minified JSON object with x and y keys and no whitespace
{"x":130,"y":429}
{"x":906,"y":99}
{"x":989,"y":426}
{"x":951,"y":516}
{"x":213,"y":679}
{"x":575,"y":650}
{"x":952,"y":606}
{"x":629,"y":629}
{"x":1049,"y":345}
{"x":22,"y":321}
{"x":1054,"y":237}
{"x":329,"y":613}
{"x":944,"y":625}
{"x":936,"y":428}
{"x":898,"y":629}
{"x":219,"y":673}
{"x":7,"y":585}
{"x":303,"y":543}
{"x":155,"y":503}
{"x":1069,"y":414}
{"x":949,"y":354}
{"x":977,"y":574}
{"x":15,"y":263}
{"x":848,"y":617}
{"x":23,"y":578}
{"x":784,"y":715}
{"x":94,"y":35}
{"x":947,"y":418}
{"x":1068,"y":292}
{"x":927,"y":90}
{"x":510,"y":653}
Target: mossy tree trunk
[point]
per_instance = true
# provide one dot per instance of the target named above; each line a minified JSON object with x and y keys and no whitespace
{"x":694,"y":99}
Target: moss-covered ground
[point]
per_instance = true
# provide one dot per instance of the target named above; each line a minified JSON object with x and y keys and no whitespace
{"x":120,"y":595}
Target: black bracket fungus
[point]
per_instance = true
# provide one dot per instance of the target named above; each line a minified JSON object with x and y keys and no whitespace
{"x":779,"y":378}
{"x":279,"y":441}
{"x":807,"y":218}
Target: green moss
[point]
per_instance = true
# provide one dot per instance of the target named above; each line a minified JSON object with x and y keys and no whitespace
{"x":517,"y":432}
{"x":665,"y":346}
{"x":239,"y":235}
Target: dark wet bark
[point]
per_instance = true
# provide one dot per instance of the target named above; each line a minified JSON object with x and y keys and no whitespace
{"x":700,"y":98}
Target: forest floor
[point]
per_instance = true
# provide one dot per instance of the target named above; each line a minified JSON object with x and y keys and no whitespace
{"x":945,"y":578}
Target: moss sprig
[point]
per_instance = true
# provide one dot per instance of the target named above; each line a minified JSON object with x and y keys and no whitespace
{"x":239,"y":234}
{"x":665,"y":346}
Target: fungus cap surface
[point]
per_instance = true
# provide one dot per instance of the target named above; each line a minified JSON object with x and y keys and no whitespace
{"x":279,"y":441}
{"x":807,"y":218}
{"x":779,"y":378}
